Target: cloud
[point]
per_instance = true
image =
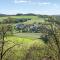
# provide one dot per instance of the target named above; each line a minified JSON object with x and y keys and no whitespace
{"x":55,"y":5}
{"x":22,"y":1}
{"x":44,"y":3}
{"x":31,"y":2}
{"x":8,"y":11}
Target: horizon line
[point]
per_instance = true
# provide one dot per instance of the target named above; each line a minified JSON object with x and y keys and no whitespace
{"x":27,"y":13}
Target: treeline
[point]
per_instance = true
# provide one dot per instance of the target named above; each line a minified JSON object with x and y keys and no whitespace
{"x":28,"y":14}
{"x":18,"y":14}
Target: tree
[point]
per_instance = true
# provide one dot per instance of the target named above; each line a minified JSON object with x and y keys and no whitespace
{"x":3,"y":31}
{"x":8,"y":20}
{"x":54,"y":38}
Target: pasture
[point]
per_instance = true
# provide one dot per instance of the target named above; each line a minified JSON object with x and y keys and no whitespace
{"x":34,"y":19}
{"x":29,"y":35}
{"x":23,"y":47}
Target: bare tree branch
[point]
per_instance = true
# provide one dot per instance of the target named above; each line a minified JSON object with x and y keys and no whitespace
{"x":9,"y":49}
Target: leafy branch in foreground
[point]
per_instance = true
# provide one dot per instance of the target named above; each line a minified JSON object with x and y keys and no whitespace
{"x":3,"y":31}
{"x":54,"y":38}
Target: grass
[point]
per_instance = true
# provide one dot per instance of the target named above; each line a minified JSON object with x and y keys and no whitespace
{"x":34,"y":19}
{"x":19,"y":52}
{"x":23,"y":40}
{"x":23,"y":16}
{"x":28,"y":35}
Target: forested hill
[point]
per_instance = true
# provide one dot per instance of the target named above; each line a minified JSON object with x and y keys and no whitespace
{"x":31,"y":14}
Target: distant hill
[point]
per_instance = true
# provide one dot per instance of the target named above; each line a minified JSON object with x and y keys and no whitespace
{"x":2,"y":14}
{"x":29,"y":14}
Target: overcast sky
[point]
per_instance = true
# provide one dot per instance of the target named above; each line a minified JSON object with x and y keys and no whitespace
{"x":50,"y":7}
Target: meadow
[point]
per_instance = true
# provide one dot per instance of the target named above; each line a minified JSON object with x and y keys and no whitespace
{"x":28,"y":45}
{"x":34,"y":19}
{"x":24,"y":46}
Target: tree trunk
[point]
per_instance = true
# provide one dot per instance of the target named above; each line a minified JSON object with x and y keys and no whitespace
{"x":2,"y":47}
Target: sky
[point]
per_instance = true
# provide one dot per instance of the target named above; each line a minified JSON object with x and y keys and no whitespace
{"x":45,"y":7}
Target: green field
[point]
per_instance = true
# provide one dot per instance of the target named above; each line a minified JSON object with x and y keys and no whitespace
{"x":29,"y":35}
{"x":20,"y":51}
{"x":34,"y":19}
